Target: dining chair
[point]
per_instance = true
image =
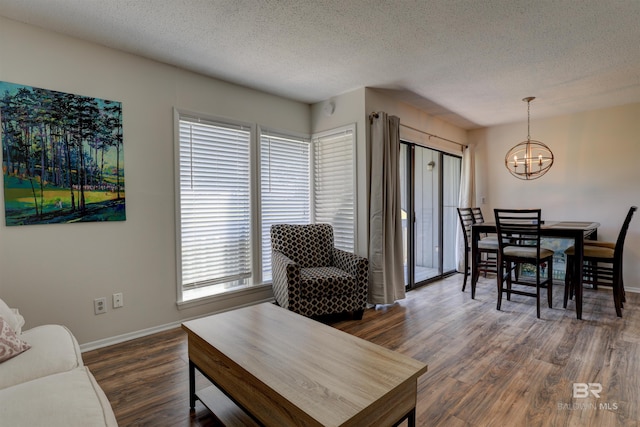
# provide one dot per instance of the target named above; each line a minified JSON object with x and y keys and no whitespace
{"x":478,"y":218}
{"x":487,"y":247}
{"x":492,"y":257}
{"x":519,"y":243}
{"x":602,"y":265}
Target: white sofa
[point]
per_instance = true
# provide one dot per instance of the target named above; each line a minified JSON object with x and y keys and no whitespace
{"x":47,"y":384}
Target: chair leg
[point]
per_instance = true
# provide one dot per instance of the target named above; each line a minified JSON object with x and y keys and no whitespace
{"x":500,"y":281}
{"x":617,"y":302}
{"x":550,"y":282}
{"x":485,"y":261}
{"x":538,"y":286}
{"x":623,"y":298}
{"x":538,"y":298}
{"x":617,"y":291}
{"x":466,"y":271}
{"x":509,"y":268}
{"x":475,"y":273}
{"x":567,"y":280}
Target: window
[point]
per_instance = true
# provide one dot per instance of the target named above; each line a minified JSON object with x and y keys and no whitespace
{"x":284,"y":186}
{"x":231,"y":191}
{"x":334,"y":184}
{"x":215,"y":206}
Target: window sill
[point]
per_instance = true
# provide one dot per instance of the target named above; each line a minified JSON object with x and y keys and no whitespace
{"x":255,"y":293}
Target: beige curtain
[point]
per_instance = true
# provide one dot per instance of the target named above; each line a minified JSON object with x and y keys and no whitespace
{"x":466,"y":200}
{"x":386,"y":269}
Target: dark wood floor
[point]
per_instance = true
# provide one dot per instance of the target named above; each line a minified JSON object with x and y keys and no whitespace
{"x":486,"y":367}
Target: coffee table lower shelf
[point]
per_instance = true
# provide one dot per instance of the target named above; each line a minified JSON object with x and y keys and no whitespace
{"x":231,"y":415}
{"x":223,"y":408}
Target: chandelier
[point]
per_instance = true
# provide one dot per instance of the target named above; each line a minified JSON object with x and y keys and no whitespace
{"x":529,"y":159}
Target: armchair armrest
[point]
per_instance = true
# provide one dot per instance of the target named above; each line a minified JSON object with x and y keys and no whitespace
{"x":353,"y":264}
{"x":285,"y":276}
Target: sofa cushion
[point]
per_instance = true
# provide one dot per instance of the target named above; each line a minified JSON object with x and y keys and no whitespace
{"x":326,"y":281}
{"x":10,"y":344}
{"x":53,"y":349}
{"x":66,"y":399}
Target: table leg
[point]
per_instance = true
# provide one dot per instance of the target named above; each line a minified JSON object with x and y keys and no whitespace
{"x":410,"y":417}
{"x":192,"y":385}
{"x":578,"y":271}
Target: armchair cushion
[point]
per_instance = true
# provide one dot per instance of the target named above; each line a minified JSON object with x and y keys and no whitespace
{"x":319,"y":281}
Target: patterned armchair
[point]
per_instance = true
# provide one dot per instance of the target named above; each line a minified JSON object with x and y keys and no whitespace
{"x":312,"y":277}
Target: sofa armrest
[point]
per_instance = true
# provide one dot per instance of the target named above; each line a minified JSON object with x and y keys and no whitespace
{"x":70,"y":399}
{"x":53,"y":349}
{"x":285,"y":277}
{"x":353,"y":264}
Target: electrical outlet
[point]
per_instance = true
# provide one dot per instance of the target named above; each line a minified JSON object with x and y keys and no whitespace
{"x":100,"y":305}
{"x":118,"y":300}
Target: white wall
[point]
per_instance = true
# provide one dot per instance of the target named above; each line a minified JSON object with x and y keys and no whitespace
{"x":53,"y":272}
{"x":594,"y":177}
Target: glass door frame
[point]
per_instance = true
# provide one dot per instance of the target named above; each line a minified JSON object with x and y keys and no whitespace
{"x":411,"y":215}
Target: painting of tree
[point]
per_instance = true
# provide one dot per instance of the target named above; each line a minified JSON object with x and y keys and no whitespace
{"x":62,"y":157}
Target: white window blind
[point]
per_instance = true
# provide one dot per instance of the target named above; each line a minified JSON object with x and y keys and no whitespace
{"x":215,"y":208}
{"x":334,"y":184}
{"x":285,"y":186}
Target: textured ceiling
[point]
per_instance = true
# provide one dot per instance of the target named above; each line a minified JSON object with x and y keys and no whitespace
{"x":468,"y":61}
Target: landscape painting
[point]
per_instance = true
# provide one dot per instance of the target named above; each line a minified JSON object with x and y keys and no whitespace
{"x":62,"y":157}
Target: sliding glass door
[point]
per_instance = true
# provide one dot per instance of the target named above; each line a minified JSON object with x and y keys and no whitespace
{"x":430,"y":183}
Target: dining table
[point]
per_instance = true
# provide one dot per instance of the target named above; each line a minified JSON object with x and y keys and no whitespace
{"x":578,"y":231}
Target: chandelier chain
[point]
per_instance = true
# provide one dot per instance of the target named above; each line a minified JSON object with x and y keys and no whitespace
{"x":529,"y":120}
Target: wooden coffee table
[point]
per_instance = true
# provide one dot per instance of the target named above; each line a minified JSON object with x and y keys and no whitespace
{"x":287,"y":370}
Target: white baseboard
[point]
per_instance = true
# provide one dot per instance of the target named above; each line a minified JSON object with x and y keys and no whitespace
{"x":94,"y":345}
{"x":634,"y":290}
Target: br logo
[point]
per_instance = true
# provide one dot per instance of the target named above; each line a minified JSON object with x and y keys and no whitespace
{"x":582,"y":390}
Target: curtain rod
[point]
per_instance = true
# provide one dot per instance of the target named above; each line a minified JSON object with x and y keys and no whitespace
{"x":434,"y":136}
{"x":374,"y":114}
